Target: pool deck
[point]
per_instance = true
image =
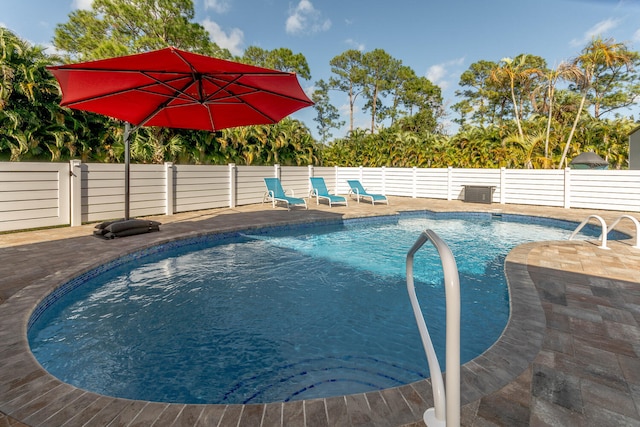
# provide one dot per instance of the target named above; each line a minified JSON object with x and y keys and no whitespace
{"x":570,"y":355}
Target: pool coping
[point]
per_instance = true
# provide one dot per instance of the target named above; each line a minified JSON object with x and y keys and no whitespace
{"x":31,"y":395}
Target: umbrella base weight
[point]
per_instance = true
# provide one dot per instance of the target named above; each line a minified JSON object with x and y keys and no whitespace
{"x":125,"y":227}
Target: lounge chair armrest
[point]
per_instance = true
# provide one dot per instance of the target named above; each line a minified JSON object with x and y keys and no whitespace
{"x":267,"y":195}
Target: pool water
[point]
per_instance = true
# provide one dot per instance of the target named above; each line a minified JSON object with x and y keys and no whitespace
{"x":279,"y":315}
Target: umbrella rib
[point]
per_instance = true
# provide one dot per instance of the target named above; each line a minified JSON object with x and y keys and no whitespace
{"x":253,"y":89}
{"x":164,"y":104}
{"x":196,"y":78}
{"x":167,"y":85}
{"x":232,"y":96}
{"x":142,"y":88}
{"x":240,"y":97}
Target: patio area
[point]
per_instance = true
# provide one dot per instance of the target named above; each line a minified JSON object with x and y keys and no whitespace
{"x":570,"y":355}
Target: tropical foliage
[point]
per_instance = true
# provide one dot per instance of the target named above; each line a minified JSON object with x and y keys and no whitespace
{"x":516,"y":112}
{"x":35,"y":127}
{"x":31,"y":123}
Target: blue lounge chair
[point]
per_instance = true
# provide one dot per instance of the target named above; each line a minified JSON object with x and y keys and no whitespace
{"x":275,"y":193}
{"x":320,"y":192}
{"x":359,"y":191}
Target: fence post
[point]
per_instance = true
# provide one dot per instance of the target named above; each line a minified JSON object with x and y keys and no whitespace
{"x":503,"y":185}
{"x":567,"y":188}
{"x":384,"y":180}
{"x":75,"y":192}
{"x":415,"y":184}
{"x":337,"y":175}
{"x":277,"y":171}
{"x":170,"y":196}
{"x":233,"y":184}
{"x":449,"y":181}
{"x":311,"y":171}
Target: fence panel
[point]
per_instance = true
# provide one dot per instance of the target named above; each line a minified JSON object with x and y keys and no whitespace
{"x":103,"y":191}
{"x":295,"y":180}
{"x":250,"y":183}
{"x":373,"y":180}
{"x":33,"y":195}
{"x":345,"y":174}
{"x":605,"y":189}
{"x":201,"y":187}
{"x":431,"y":183}
{"x":330,"y":178}
{"x":399,"y":181}
{"x":535,"y":187}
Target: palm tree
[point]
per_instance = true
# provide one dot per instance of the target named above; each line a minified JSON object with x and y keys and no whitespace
{"x":31,"y":121}
{"x":598,"y":53}
{"x":551,"y":78}
{"x":526,"y":149}
{"x":517,"y":73}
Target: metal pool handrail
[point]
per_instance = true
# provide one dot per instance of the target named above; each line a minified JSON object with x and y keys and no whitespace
{"x":446,"y":411}
{"x":635,"y":221}
{"x":603,"y":224}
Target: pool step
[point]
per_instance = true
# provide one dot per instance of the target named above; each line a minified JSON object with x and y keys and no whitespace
{"x":321,"y":377}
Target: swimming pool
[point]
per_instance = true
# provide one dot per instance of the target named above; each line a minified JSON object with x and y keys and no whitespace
{"x":302,"y":362}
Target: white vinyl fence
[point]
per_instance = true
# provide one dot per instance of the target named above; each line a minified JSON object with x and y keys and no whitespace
{"x":50,"y":194}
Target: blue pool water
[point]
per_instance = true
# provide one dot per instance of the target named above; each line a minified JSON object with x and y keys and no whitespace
{"x":278,"y":315}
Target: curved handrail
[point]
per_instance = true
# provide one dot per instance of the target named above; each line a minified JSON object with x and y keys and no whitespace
{"x":446,"y":411}
{"x":603,"y":224}
{"x":635,"y":221}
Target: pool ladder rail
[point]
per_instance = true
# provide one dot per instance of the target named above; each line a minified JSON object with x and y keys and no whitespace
{"x":446,"y":410}
{"x":606,"y":231}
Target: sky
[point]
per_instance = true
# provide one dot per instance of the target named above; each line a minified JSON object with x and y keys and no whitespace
{"x":437,"y":39}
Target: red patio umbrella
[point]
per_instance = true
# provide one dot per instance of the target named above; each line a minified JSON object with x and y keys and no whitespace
{"x":177,"y":89}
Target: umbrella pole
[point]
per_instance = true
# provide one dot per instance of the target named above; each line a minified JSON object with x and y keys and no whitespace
{"x":127,"y":161}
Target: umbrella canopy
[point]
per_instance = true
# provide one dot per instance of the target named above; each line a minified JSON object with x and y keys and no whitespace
{"x":588,"y":160}
{"x":178,"y":89}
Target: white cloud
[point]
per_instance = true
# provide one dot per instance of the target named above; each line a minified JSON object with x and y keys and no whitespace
{"x":345,"y":110}
{"x":305,"y":19}
{"x":82,"y":4}
{"x":50,"y":49}
{"x":597,"y":30}
{"x":435,"y":73}
{"x":360,"y":119}
{"x":355,"y":45}
{"x":308,"y":90}
{"x":636,"y":36}
{"x":602,"y":27}
{"x":219,"y":6}
{"x":232,"y":40}
{"x":439,"y":74}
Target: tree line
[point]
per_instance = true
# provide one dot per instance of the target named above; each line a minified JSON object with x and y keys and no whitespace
{"x":516,"y":112}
